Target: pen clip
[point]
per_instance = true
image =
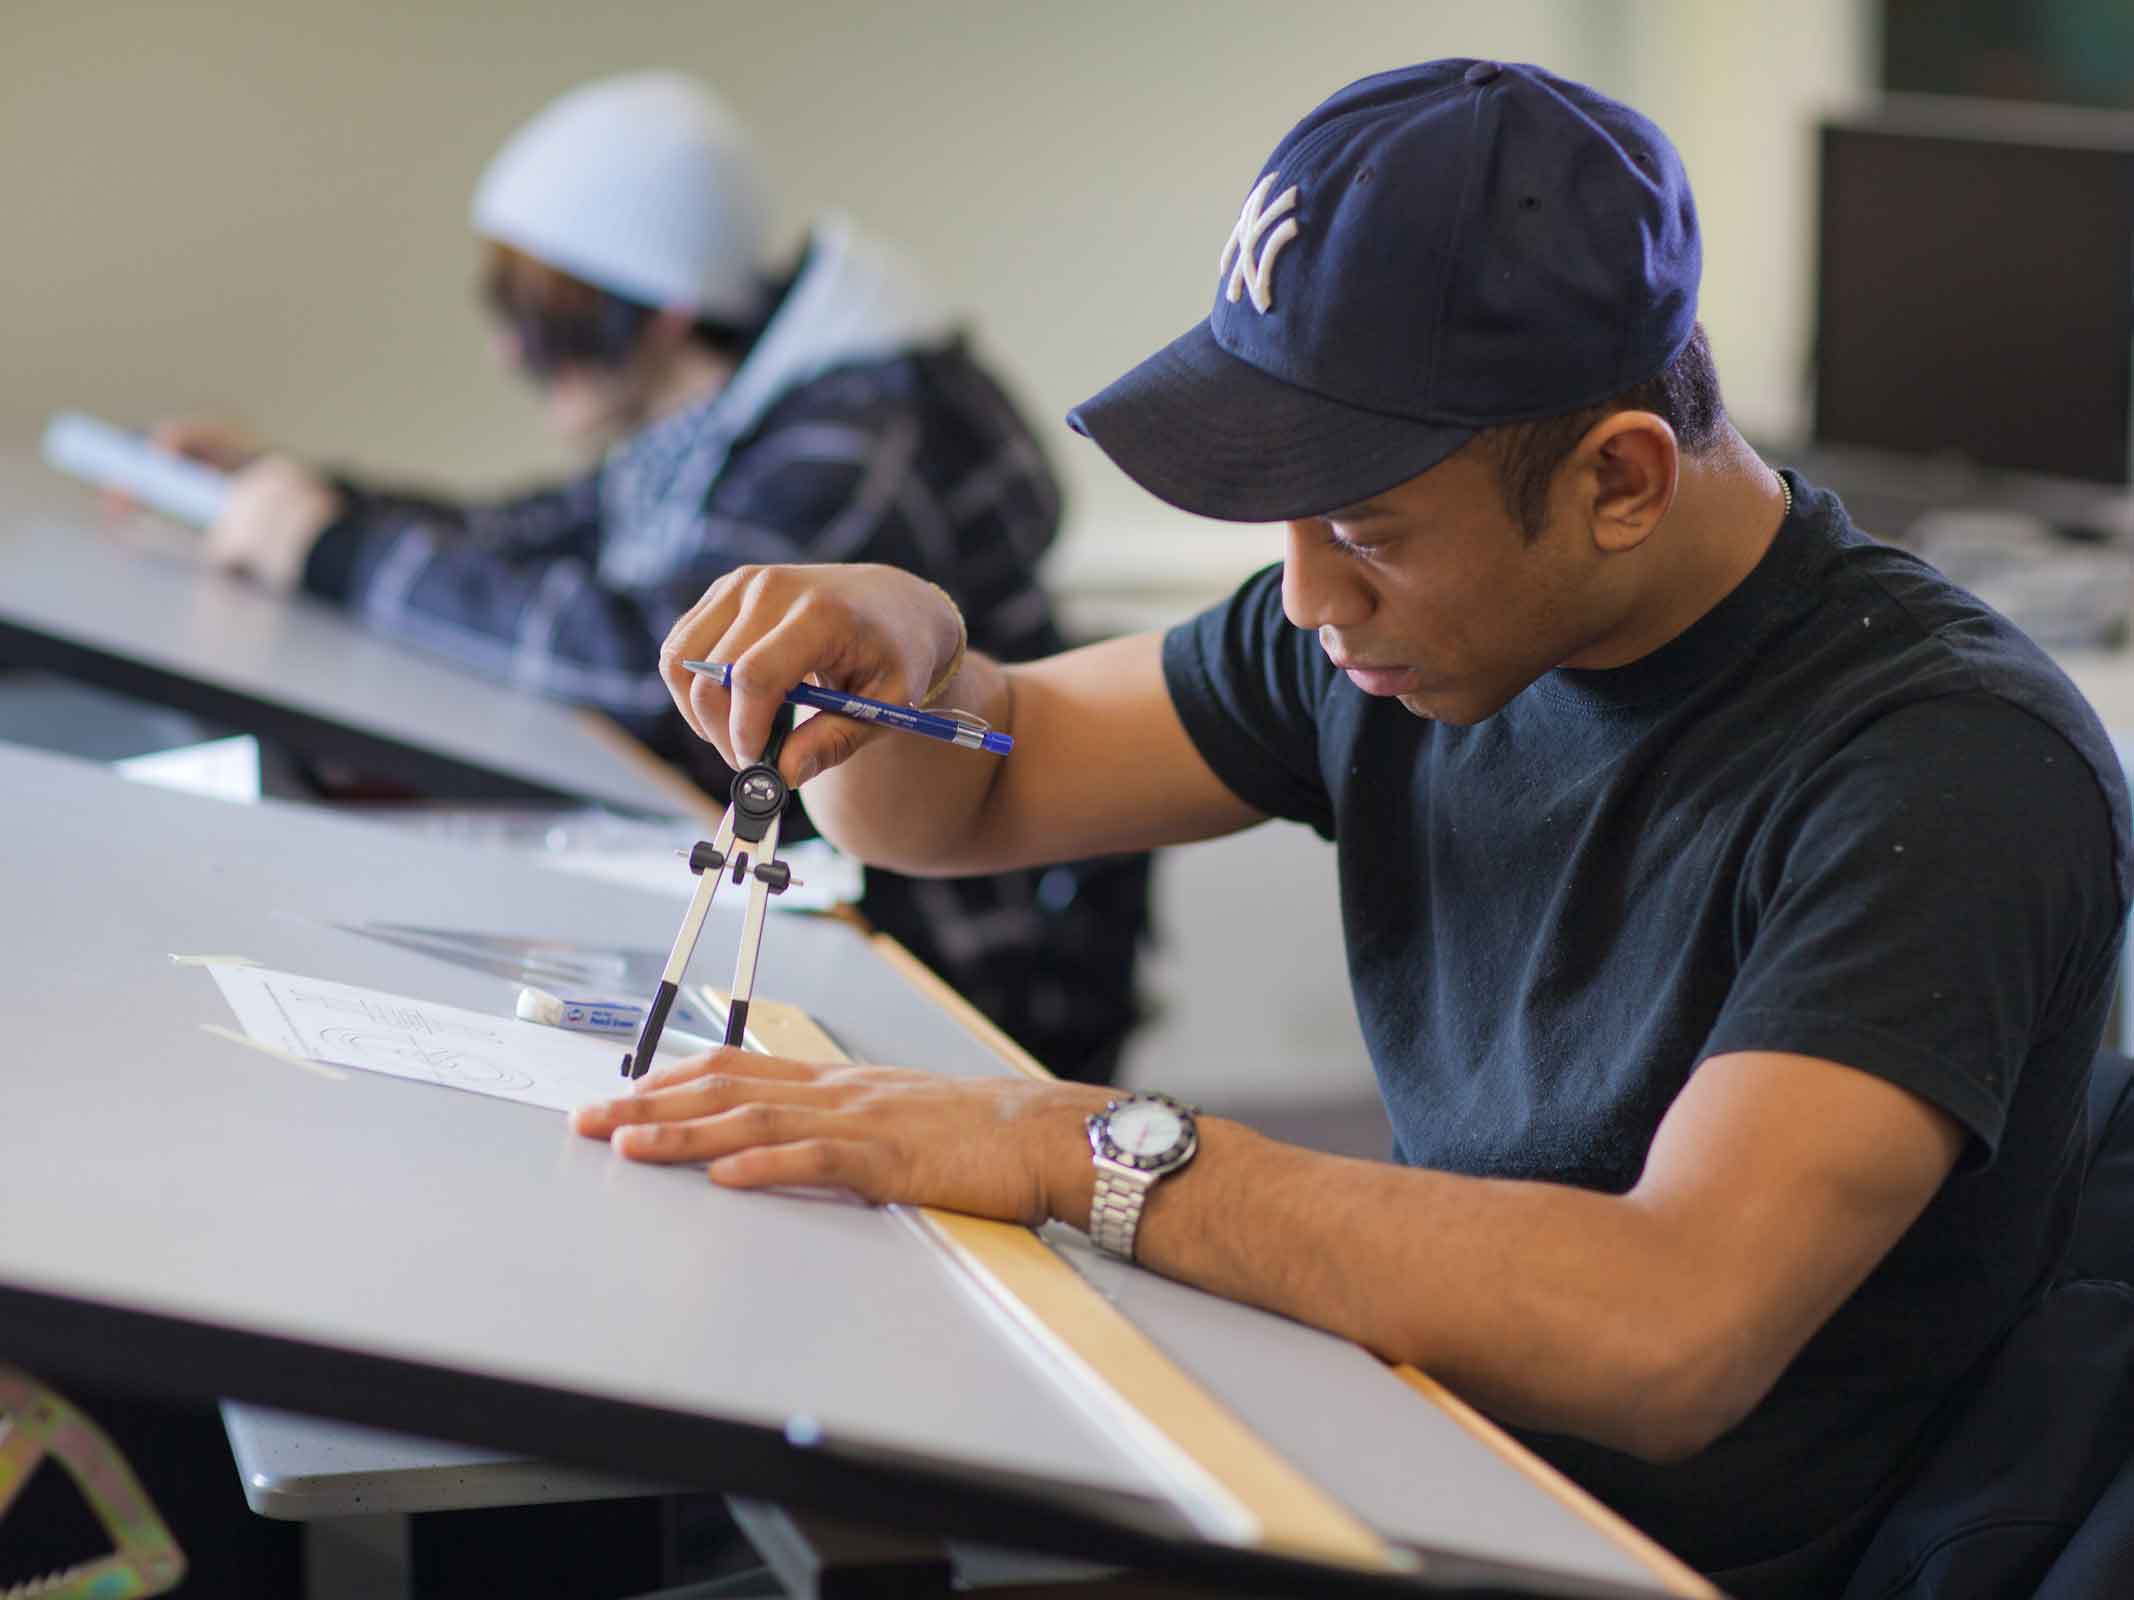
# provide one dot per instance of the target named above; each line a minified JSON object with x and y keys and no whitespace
{"x":969,"y":719}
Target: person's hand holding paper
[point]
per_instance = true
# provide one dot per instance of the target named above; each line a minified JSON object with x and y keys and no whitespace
{"x":276,"y":510}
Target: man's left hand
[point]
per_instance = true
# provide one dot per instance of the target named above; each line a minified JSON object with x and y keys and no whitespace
{"x":1009,"y":1148}
{"x":276,"y":511}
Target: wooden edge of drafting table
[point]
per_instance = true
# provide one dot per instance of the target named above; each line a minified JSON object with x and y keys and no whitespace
{"x":1679,"y":1576}
{"x":1047,"y":1295}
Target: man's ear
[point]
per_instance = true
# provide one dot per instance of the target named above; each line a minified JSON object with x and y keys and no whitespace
{"x":1633,"y":462}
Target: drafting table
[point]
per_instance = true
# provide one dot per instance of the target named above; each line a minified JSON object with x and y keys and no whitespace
{"x":75,"y":602}
{"x":224,"y":1223}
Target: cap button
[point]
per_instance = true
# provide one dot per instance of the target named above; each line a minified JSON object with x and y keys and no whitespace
{"x":1484,"y":72}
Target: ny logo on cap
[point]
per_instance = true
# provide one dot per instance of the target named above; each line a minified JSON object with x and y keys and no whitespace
{"x":1252,"y":222}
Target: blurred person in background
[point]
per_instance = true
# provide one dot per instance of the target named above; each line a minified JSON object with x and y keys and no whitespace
{"x":735,"y":412}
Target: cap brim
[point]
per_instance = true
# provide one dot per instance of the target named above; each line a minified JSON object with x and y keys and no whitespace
{"x":1213,"y":435}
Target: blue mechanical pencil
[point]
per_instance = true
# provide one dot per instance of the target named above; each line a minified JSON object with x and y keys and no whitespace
{"x":954,"y":727}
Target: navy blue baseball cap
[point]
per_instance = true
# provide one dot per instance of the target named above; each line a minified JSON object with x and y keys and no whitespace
{"x":1431,"y":252}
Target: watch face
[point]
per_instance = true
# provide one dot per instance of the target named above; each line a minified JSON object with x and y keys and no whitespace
{"x":1146,"y":1129}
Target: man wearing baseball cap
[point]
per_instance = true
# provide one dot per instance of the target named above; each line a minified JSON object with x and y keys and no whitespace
{"x":1732,"y":904}
{"x":738,"y":410}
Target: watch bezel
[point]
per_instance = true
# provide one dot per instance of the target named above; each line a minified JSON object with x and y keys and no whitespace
{"x":1177,"y":1154}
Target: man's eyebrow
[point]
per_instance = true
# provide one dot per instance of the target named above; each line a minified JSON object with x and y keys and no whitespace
{"x":1358,"y":512}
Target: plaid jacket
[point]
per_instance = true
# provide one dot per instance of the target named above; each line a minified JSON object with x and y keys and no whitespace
{"x":917,"y":460}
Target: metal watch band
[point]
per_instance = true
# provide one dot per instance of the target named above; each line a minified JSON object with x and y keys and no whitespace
{"x":1115,"y":1209}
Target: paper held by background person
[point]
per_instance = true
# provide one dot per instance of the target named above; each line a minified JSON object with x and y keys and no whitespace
{"x":111,"y":457}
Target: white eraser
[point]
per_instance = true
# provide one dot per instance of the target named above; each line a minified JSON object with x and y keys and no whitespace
{"x":113,"y":458}
{"x":538,"y":1005}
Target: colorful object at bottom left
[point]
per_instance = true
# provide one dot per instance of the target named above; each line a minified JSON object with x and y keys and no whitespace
{"x":36,"y":1424}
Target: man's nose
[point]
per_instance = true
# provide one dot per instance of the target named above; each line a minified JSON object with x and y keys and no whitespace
{"x":1320,"y":587}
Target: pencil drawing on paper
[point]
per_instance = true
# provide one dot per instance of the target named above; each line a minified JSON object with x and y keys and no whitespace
{"x":449,"y":1063}
{"x":320,"y":1020}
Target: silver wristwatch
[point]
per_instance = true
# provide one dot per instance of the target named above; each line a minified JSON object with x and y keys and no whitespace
{"x":1134,"y":1142}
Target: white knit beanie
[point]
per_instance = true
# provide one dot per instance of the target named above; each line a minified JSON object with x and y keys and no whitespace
{"x":643,"y":185}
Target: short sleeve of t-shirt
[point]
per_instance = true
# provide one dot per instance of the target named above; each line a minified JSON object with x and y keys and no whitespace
{"x":1249,"y":688}
{"x":1925,"y":905}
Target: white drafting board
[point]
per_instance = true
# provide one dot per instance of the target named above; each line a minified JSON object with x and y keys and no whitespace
{"x":174,"y":1169}
{"x":62,"y":579}
{"x":206,"y":1179}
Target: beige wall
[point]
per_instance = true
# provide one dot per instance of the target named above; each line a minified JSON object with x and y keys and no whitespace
{"x":257,"y":208}
{"x":1740,"y":87}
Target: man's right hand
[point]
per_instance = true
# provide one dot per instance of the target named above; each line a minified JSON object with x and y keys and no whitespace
{"x":1102,"y":763}
{"x":871,"y":630}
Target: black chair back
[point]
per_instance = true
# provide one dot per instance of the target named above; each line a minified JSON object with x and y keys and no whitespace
{"x":2031,"y":1491}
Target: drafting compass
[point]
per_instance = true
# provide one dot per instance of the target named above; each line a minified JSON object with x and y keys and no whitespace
{"x":745,"y":848}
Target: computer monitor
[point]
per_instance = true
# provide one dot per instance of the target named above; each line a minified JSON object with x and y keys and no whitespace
{"x":1975,"y":286}
{"x":2067,"y":52}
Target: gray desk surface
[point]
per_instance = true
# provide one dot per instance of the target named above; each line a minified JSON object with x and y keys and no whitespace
{"x":300,"y":1467}
{"x":355,"y":1241}
{"x":74,"y":600}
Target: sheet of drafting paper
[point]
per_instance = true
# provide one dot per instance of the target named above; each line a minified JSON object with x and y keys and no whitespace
{"x":338,"y":1023}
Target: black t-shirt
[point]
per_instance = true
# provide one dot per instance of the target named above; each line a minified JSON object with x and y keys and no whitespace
{"x":1850,"y":813}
